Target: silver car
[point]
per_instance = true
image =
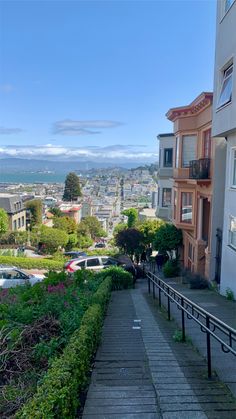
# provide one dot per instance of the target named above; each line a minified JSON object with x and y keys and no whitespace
{"x":10,"y":276}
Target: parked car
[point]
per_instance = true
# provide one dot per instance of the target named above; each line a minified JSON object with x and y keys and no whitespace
{"x":100,"y":245}
{"x":97,"y":263}
{"x":75,"y":254}
{"x":10,"y":276}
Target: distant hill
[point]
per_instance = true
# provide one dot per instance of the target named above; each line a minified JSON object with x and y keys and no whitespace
{"x":10,"y":165}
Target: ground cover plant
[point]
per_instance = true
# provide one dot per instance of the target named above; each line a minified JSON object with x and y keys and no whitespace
{"x":32,"y":263}
{"x":36,"y":324}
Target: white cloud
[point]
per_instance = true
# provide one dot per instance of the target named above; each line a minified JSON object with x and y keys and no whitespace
{"x":76,"y":127}
{"x":111,"y":153}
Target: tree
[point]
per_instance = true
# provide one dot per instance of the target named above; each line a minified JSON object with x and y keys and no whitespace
{"x":51,"y":239}
{"x":72,"y":188}
{"x":167,"y":238}
{"x":119,"y":227}
{"x":72,"y":241}
{"x":35,"y":207}
{"x":132,"y":215}
{"x":56,"y":211}
{"x":67,"y":224}
{"x":149,"y":229}
{"x":90,"y":226}
{"x":4,"y":223}
{"x":84,"y":241}
{"x":129,"y":240}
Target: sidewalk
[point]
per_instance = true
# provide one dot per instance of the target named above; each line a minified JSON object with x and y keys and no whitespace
{"x":224,"y":364}
{"x":140,"y":372}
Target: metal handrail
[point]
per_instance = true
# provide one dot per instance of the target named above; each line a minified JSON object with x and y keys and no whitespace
{"x":193,"y":311}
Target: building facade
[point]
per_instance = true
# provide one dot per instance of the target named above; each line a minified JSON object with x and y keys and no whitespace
{"x":195,"y":177}
{"x":14,"y":207}
{"x":224,"y":125}
{"x":165,"y":175}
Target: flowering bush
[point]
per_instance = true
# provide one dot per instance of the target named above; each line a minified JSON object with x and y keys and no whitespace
{"x":36,"y":323}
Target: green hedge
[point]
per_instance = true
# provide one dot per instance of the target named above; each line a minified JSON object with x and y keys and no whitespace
{"x":58,"y":395}
{"x":121,"y":279}
{"x":32,"y":263}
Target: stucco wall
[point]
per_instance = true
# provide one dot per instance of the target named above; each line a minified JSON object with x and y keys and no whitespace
{"x":224,"y":119}
{"x":228,"y":269}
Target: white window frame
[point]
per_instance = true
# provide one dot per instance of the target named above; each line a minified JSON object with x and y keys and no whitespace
{"x":233,"y":168}
{"x":227,"y":74}
{"x":232,"y":220}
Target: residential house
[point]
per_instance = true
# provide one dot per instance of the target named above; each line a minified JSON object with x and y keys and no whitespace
{"x":16,"y":212}
{"x":224,"y":125}
{"x":196,"y":174}
{"x":72,"y":210}
{"x":165,"y":175}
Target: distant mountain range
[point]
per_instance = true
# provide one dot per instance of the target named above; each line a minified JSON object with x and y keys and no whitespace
{"x":10,"y":165}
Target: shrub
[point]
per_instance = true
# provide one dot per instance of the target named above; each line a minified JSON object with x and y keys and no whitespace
{"x":57,"y":396}
{"x":198,"y":282}
{"x":229,"y":294}
{"x":31,"y":263}
{"x":171,"y":268}
{"x":121,"y":279}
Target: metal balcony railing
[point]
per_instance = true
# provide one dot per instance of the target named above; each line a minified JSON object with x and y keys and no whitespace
{"x":199,"y":169}
{"x":213,"y":327}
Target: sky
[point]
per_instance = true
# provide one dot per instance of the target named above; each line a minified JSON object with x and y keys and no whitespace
{"x":93,"y":80}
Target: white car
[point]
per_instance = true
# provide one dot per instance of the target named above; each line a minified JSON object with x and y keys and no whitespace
{"x":97,"y":263}
{"x":10,"y":276}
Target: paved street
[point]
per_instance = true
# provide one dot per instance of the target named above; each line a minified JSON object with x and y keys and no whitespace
{"x":141,"y":372}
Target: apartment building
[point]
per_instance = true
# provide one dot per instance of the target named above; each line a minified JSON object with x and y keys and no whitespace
{"x":165,"y":175}
{"x":224,"y":125}
{"x":16,"y":212}
{"x":196,"y":175}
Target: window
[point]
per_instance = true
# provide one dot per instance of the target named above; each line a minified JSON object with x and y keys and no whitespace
{"x":93,"y":262}
{"x":226,"y":87}
{"x":14,"y":225}
{"x":109,"y":262}
{"x":233,"y":183}
{"x":22,"y":221}
{"x":232,"y":232}
{"x":186,"y":207}
{"x":168,"y":157}
{"x":207,"y":144}
{"x":228,"y":4}
{"x":188,"y":149}
{"x":81,"y":264}
{"x":18,"y":222}
{"x":177,"y":152}
{"x":166,"y":197}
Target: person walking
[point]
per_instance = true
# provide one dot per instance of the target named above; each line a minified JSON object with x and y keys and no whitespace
{"x":159,"y":261}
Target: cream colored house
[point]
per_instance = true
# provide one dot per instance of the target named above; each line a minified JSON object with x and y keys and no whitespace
{"x":14,"y":207}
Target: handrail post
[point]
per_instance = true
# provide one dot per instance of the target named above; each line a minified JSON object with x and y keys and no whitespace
{"x":149,"y":285}
{"x":183,"y":320}
{"x":208,"y":346}
{"x":153,"y":290}
{"x":168,"y":302}
{"x":159,"y":292}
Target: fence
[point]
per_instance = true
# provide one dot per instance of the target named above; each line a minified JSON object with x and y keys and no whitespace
{"x":209,"y":324}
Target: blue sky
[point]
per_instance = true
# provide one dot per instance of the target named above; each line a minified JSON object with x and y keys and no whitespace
{"x":94,"y":79}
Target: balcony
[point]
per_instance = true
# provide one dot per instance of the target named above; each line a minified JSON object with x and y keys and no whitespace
{"x":199,"y":169}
